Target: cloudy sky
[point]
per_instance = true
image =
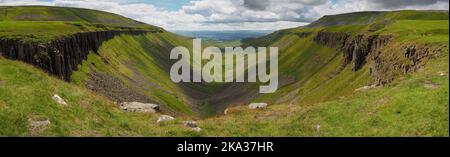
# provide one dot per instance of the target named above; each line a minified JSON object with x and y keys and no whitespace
{"x":233,"y":14}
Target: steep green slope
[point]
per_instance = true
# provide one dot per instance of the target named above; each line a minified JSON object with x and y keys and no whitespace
{"x":382,"y":74}
{"x":122,"y":59}
{"x":39,"y":23}
{"x":359,"y":74}
{"x":27,"y":109}
{"x":416,"y":105}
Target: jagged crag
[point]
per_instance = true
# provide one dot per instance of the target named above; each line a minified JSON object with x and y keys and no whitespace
{"x":61,"y":56}
{"x":381,"y":51}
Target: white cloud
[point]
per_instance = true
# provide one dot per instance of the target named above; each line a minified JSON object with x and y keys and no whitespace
{"x":237,"y":14}
{"x":23,"y":2}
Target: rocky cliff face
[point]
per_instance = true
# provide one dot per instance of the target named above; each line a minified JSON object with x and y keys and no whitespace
{"x":387,"y":59}
{"x":61,"y":56}
{"x":356,"y":48}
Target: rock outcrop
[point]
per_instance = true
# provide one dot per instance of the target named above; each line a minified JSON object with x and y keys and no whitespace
{"x":388,"y":59}
{"x":60,"y":56}
{"x":356,"y":48}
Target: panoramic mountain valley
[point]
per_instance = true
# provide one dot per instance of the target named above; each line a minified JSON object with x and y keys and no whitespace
{"x":81,"y":72}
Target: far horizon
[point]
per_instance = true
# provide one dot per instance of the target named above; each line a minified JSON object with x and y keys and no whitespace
{"x":225,"y":15}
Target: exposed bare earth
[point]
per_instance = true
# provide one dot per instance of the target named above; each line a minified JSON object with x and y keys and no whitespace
{"x":114,"y":88}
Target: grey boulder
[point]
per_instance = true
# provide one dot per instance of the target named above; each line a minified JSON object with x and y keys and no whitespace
{"x":139,"y":107}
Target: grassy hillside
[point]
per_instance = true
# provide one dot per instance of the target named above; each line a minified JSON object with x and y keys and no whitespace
{"x":142,"y":63}
{"x":418,"y":105}
{"x":314,"y":72}
{"x":318,"y":94}
{"x":415,"y":106}
{"x":319,"y":91}
{"x":39,"y":23}
{"x":125,"y":68}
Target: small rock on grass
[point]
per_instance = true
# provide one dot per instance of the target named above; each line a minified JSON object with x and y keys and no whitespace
{"x":193,"y":125}
{"x":257,"y":106}
{"x":59,"y":100}
{"x":164,"y":118}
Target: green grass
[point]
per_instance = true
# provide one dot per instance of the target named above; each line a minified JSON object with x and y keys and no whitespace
{"x":313,"y":71}
{"x":406,"y":108}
